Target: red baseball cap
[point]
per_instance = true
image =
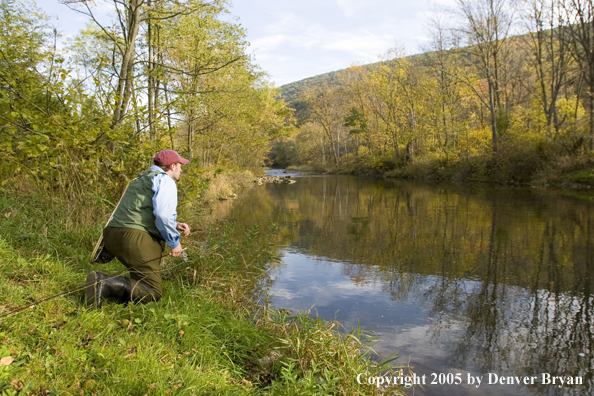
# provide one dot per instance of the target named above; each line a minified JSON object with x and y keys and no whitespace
{"x":168,"y":157}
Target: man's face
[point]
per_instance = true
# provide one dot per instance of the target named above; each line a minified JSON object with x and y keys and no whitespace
{"x":176,"y":171}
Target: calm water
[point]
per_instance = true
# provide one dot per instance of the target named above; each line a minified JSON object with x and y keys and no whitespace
{"x":470,"y":280}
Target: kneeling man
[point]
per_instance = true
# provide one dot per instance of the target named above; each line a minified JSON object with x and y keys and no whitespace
{"x":143,"y":222}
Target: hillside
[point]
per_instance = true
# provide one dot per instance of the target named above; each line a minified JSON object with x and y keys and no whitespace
{"x":292,"y":92}
{"x":459,"y":116}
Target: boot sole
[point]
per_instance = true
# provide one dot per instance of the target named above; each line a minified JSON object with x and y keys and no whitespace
{"x":91,"y":290}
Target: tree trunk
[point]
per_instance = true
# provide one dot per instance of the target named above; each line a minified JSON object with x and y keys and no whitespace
{"x":493,"y":116}
{"x":591,"y":118}
{"x":151,"y":77}
{"x":124,"y":89}
{"x":136,"y":115}
{"x":159,"y":55}
{"x":395,"y":143}
{"x":190,"y":132}
{"x":329,"y":134}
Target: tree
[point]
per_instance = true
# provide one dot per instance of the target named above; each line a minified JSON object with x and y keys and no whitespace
{"x":487,"y":25}
{"x":202,"y":65}
{"x":327,"y":106}
{"x":580,"y":35}
{"x":397,"y":97}
{"x":130,"y":17}
{"x":355,"y":82}
{"x":26,"y":97}
{"x":386,"y":103}
{"x":550,"y":56}
{"x":449,"y":108}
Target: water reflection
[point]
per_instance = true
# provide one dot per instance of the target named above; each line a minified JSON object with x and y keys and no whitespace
{"x":458,"y":279}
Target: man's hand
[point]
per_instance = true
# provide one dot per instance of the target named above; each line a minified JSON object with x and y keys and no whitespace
{"x":176,"y":251}
{"x":184,"y":228}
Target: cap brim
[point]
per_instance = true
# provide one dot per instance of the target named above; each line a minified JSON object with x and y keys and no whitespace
{"x":184,"y":161}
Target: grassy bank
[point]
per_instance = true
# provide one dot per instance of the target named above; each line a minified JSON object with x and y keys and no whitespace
{"x":206,"y":336}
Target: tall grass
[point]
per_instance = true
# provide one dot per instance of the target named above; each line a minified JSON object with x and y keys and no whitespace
{"x":208,"y":335}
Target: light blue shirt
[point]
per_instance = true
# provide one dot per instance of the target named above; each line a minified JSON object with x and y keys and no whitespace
{"x":165,"y":206}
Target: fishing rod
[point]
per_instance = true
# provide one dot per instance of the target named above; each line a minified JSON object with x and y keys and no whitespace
{"x":83,"y":286}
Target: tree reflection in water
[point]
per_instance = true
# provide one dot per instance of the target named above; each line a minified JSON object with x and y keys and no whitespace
{"x":508,"y":271}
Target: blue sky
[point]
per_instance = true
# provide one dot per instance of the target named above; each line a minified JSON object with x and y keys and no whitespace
{"x":292,"y":40}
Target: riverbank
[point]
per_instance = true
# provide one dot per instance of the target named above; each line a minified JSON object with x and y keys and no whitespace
{"x":574,"y":172}
{"x":206,"y":336}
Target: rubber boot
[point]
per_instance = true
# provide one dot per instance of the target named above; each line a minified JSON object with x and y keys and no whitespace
{"x":143,"y":293}
{"x":100,"y":286}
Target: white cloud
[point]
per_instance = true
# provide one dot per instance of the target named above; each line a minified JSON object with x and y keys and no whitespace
{"x":284,"y":21}
{"x":362,"y":45}
{"x":292,"y":31}
{"x":100,"y":7}
{"x":444,"y":3}
{"x":355,"y":8}
{"x":350,"y":7}
{"x":268,"y":43}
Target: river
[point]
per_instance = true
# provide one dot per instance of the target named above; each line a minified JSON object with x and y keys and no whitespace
{"x":471,"y":280}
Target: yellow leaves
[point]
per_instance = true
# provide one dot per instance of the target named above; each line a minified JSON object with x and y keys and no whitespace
{"x":362,"y":151}
{"x":17,"y":385}
{"x":6,"y":361}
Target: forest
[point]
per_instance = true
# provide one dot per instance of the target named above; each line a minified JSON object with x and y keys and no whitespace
{"x":90,"y":110}
{"x":503,"y":91}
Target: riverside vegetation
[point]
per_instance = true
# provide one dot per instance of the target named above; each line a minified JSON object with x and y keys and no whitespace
{"x":208,"y":335}
{"x":77,"y":122}
{"x":503,"y":92}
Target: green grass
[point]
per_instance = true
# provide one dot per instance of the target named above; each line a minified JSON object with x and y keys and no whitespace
{"x":207,"y":336}
{"x":584,"y":176}
{"x":185,"y":343}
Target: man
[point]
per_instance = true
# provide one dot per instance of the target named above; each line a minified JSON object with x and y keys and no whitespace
{"x":144,"y":220}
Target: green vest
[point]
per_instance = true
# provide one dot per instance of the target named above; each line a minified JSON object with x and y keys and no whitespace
{"x":135,"y":210}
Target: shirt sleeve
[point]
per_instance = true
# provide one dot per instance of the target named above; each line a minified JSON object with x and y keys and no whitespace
{"x":165,"y":208}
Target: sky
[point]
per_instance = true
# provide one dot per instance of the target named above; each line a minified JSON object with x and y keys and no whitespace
{"x":292,"y":40}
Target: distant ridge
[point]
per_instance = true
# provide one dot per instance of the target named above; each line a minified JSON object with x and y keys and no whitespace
{"x":292,"y":92}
